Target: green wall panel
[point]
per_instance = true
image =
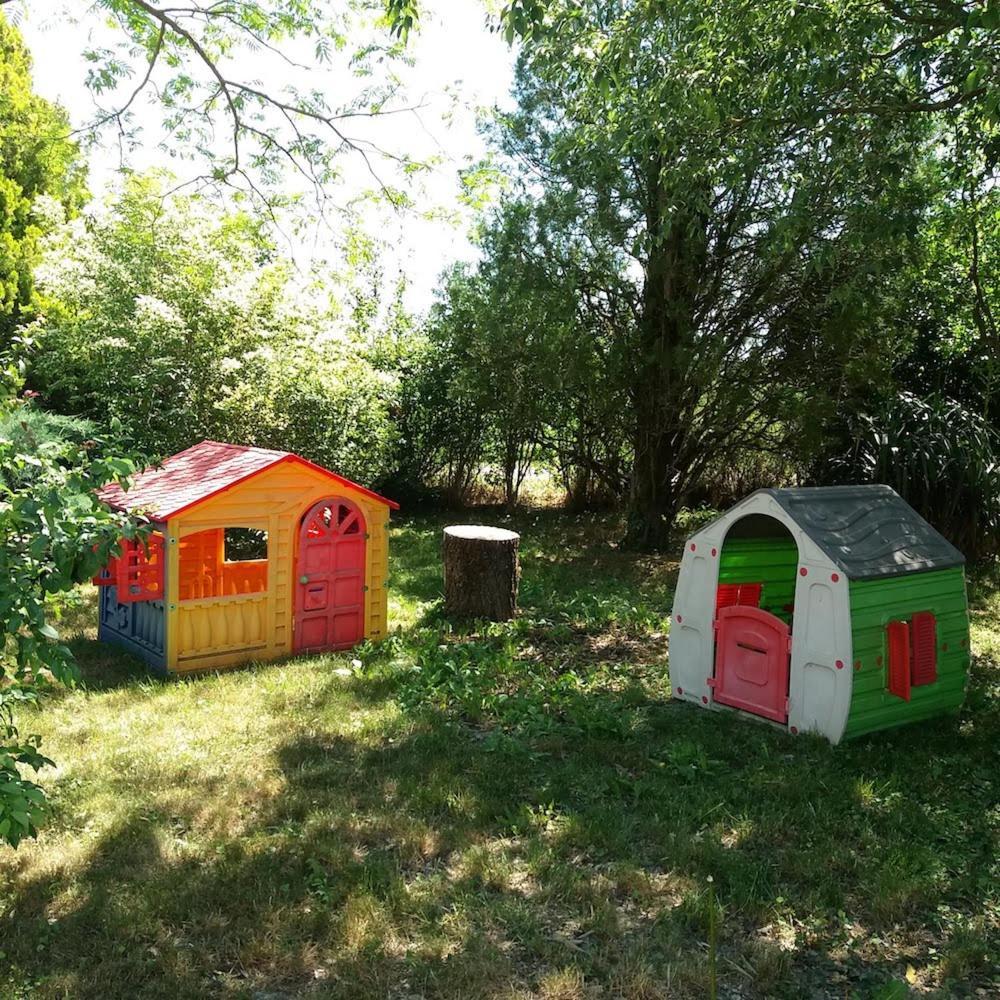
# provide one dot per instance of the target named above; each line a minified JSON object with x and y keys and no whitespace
{"x":874,"y":603}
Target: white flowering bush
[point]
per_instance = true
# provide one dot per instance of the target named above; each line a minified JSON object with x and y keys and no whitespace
{"x":183,"y":321}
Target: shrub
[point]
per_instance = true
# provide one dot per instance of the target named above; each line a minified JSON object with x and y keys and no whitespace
{"x":942,"y":459}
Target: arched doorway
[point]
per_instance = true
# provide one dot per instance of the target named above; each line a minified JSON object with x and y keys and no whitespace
{"x":330,"y":572}
{"x":753,"y":617}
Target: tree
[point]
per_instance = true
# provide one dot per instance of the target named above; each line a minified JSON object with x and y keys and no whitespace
{"x":504,"y":323}
{"x":530,"y":351}
{"x":54,"y":534}
{"x":939,"y":56}
{"x":152,"y":310}
{"x":32,"y":166}
{"x":934,"y":55}
{"x":949,"y":298}
{"x":444,"y":428}
{"x":753,"y":231}
{"x":551,"y":372}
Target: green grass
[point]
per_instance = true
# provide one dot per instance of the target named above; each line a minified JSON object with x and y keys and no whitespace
{"x":512,"y":811}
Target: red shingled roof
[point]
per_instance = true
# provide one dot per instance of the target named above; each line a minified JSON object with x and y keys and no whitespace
{"x":201,"y":471}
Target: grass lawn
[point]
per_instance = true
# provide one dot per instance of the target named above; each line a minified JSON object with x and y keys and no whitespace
{"x":516,"y":811}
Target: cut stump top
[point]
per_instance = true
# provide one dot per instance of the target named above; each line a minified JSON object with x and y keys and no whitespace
{"x":481,"y":532}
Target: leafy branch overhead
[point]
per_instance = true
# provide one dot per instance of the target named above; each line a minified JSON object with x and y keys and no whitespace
{"x":54,"y":535}
{"x":237,"y":87}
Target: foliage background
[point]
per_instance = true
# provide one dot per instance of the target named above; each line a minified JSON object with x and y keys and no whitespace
{"x":829,"y":267}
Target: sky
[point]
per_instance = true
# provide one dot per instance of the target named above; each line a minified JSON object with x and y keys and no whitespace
{"x":459,"y":68}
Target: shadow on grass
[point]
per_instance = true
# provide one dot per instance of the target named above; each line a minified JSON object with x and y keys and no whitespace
{"x":105,"y":667}
{"x":438,"y":860}
{"x":102,"y":666}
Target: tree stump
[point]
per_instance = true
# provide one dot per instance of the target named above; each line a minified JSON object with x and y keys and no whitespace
{"x":481,"y":572}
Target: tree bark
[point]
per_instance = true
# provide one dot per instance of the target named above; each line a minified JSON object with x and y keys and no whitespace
{"x":653,"y":500}
{"x":653,"y":496}
{"x":481,"y":572}
{"x":664,"y":359}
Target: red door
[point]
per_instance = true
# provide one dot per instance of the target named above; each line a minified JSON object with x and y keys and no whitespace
{"x":752,"y":651}
{"x":329,"y":589}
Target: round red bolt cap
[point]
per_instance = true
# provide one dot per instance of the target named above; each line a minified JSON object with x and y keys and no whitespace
{"x":834,"y":577}
{"x":803,"y":571}
{"x":704,"y":700}
{"x":680,"y":690}
{"x":840,"y":664}
{"x":715,"y":552}
{"x":794,"y":731}
{"x":679,"y":619}
{"x":693,"y":546}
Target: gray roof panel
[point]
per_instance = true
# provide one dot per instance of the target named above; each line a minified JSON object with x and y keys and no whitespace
{"x":869,"y":531}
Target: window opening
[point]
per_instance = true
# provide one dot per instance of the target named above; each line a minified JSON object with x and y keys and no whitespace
{"x":222,"y":562}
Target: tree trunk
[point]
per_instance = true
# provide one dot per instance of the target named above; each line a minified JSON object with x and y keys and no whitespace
{"x":664,"y":365}
{"x":653,"y":497}
{"x":481,"y":572}
{"x":653,"y":500}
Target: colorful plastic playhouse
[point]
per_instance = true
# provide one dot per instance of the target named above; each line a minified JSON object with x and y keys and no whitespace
{"x":255,"y":554}
{"x":835,"y":610}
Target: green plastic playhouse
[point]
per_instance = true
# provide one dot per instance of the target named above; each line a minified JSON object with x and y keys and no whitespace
{"x":836,"y":610}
